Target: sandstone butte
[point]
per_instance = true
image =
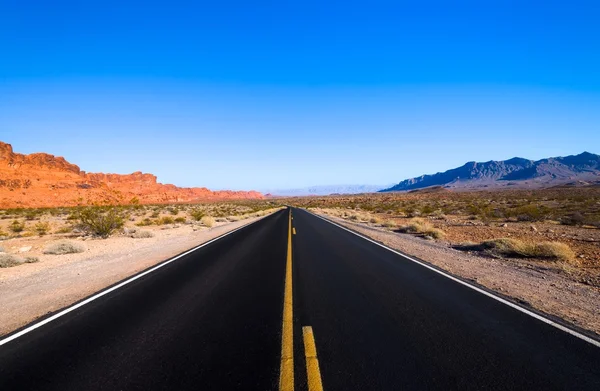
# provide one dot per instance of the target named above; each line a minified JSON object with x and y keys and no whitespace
{"x":43,"y":180}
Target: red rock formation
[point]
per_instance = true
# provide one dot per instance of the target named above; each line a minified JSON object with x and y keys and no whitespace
{"x":43,"y":180}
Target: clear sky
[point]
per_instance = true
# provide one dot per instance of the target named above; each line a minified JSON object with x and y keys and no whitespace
{"x":286,"y":94}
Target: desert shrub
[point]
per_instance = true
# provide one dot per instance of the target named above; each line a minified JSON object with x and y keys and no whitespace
{"x":145,"y":222}
{"x":422,"y":227}
{"x":515,"y":248}
{"x":530,"y":212}
{"x":2,"y":233}
{"x":555,"y":250}
{"x":573,"y":219}
{"x":64,"y":230}
{"x":42,"y":228}
{"x":390,"y":224}
{"x":64,"y":247}
{"x":155,"y":214}
{"x":208,"y":221}
{"x":165,"y":220}
{"x":375,"y":220}
{"x":173,"y":211}
{"x":197,"y":214}
{"x":9,"y":260}
{"x":32,"y":214}
{"x":180,"y":220}
{"x":100,"y":221}
{"x":16,"y":226}
{"x":142,"y":234}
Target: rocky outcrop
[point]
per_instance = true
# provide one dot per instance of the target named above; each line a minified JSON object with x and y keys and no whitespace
{"x":517,"y":172}
{"x":43,"y":180}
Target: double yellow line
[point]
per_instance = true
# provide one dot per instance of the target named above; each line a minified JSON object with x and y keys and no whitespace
{"x":286,"y":374}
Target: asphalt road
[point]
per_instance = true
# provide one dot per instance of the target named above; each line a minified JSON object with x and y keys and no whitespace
{"x":213,"y":320}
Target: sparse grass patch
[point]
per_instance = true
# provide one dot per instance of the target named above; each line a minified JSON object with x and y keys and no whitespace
{"x":9,"y":260}
{"x":142,"y":234}
{"x":208,"y":221}
{"x":64,"y":230}
{"x":509,"y":247}
{"x":180,"y":220}
{"x":422,"y":227}
{"x":165,"y":220}
{"x":42,"y":228}
{"x":197,"y":214}
{"x":145,"y":222}
{"x":64,"y":247}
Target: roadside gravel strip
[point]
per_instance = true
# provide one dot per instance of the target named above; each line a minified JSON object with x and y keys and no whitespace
{"x":30,"y":291}
{"x":529,"y":285}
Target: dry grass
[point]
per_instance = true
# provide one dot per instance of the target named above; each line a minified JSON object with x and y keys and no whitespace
{"x":422,"y":227}
{"x":64,"y":247}
{"x":9,"y":260}
{"x":142,"y":234}
{"x":208,"y":221}
{"x":509,"y":247}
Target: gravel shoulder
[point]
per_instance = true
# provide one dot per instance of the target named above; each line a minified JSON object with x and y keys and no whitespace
{"x":30,"y":291}
{"x":545,"y":287}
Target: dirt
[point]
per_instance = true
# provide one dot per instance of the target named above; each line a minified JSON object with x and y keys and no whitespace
{"x":546,"y":286}
{"x":30,"y":291}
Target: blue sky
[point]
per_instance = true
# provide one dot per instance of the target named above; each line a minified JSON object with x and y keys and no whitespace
{"x":262,"y":95}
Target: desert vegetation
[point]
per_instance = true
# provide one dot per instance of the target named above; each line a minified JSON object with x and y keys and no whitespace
{"x":59,"y":230}
{"x":560,"y":225}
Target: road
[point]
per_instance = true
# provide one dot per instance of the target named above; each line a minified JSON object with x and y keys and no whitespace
{"x":299,"y":303}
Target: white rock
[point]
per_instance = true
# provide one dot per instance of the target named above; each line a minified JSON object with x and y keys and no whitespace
{"x":24,"y":249}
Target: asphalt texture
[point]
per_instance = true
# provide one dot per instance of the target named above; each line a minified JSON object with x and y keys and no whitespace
{"x":212,"y":320}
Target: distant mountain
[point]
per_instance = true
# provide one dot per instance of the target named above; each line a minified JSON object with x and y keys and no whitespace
{"x":518,"y":172}
{"x":326,"y":190}
{"x":42,"y":180}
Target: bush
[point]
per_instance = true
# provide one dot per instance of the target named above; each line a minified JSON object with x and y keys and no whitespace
{"x":42,"y":228}
{"x":165,"y":220}
{"x":64,"y":230}
{"x":516,"y":248}
{"x":145,"y":222}
{"x":573,"y":219}
{"x":390,"y":224}
{"x":16,"y":226}
{"x":142,"y":234}
{"x":9,"y":260}
{"x":422,"y":227}
{"x":64,"y":247}
{"x":180,"y":220}
{"x":197,"y":214}
{"x":208,"y":221}
{"x":100,"y":221}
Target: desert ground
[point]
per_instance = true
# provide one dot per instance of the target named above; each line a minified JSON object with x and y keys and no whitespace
{"x":49,"y":259}
{"x":538,"y":247}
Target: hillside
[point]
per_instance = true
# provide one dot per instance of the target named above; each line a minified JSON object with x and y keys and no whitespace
{"x":517,"y":172}
{"x":44,"y":180}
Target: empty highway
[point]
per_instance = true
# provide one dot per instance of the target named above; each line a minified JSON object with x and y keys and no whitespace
{"x":295,"y":302}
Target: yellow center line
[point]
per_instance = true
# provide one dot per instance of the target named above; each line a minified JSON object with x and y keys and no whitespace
{"x":286,"y":374}
{"x":312,"y":362}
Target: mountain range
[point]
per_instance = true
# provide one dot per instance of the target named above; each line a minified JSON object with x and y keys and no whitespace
{"x":44,"y":180}
{"x":517,"y":172}
{"x":325,"y":190}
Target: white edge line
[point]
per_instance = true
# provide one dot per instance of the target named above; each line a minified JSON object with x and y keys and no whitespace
{"x":489,"y":294}
{"x":105,"y":292}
